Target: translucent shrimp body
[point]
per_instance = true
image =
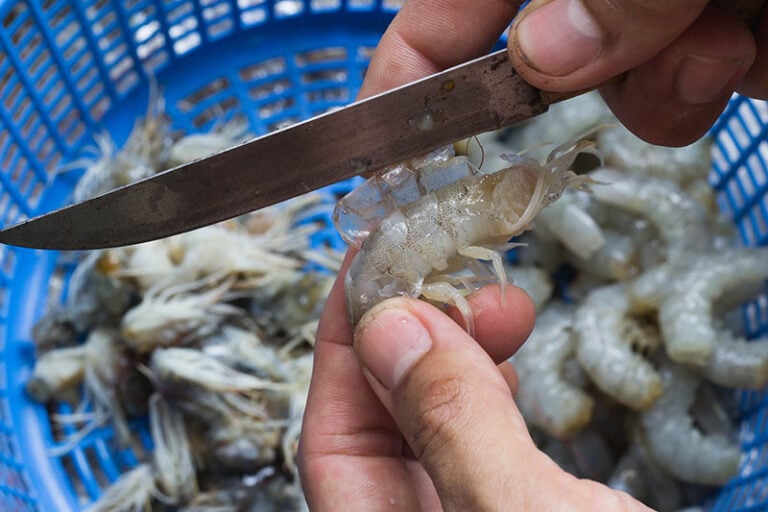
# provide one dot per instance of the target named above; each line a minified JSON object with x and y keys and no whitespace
{"x":680,"y":220}
{"x":686,"y":314}
{"x":545,"y":398}
{"x":604,"y":336}
{"x":676,"y":444}
{"x":438,"y":232}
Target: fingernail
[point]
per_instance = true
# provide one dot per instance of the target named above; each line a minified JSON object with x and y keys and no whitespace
{"x":558,"y":38}
{"x":701,"y":79}
{"x":390,"y":343}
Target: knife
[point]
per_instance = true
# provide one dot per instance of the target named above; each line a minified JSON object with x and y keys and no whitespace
{"x":481,"y":95}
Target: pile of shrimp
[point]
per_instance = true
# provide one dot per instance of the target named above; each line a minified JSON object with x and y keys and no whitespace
{"x":202,"y":340}
{"x":640,"y":339}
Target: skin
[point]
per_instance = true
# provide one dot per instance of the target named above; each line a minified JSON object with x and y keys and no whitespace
{"x":407,"y":412}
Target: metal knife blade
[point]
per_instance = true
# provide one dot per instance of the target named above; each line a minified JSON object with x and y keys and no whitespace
{"x":481,"y":95}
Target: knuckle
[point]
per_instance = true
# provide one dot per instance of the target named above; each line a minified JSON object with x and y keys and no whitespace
{"x":440,"y":405}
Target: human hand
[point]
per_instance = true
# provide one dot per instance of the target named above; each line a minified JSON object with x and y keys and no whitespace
{"x":411,"y":413}
{"x":679,"y":61}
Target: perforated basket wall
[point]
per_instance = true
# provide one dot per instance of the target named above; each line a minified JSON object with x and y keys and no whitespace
{"x":69,"y":69}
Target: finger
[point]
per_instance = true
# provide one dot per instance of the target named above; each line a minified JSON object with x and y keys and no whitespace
{"x":564,"y":45}
{"x":438,"y":408}
{"x":675,"y":97}
{"x":427,"y":36}
{"x":456,"y":411}
{"x":509,"y":374}
{"x":347,"y":435}
{"x":755,"y":83}
{"x":500,"y":328}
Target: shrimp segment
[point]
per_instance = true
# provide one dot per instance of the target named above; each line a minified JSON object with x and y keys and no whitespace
{"x":676,"y":444}
{"x":440,"y":231}
{"x":604,"y":333}
{"x":686,"y":311}
{"x":545,"y":398}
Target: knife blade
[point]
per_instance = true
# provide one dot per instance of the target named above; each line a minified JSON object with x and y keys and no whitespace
{"x":481,"y":95}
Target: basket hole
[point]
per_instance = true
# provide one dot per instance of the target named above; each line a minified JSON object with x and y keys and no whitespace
{"x":253,"y":16}
{"x":336,"y":75}
{"x":286,"y":8}
{"x":67,"y":33}
{"x":103,"y":24}
{"x":275,"y":108}
{"x":330,"y":54}
{"x":13,"y":14}
{"x":187,"y":43}
{"x":73,"y":48}
{"x":331,"y":94}
{"x":270,"y":89}
{"x":218,"y":110}
{"x":360,"y":4}
{"x":325,"y":5}
{"x":221,"y":28}
{"x":392,"y":5}
{"x":211,"y":89}
{"x":263,"y":69}
{"x":215,"y":11}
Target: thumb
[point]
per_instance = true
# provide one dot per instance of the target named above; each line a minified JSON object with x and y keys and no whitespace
{"x":449,"y":400}
{"x":565,"y":45}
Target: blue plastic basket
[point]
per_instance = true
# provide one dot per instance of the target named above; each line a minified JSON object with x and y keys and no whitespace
{"x":69,"y":69}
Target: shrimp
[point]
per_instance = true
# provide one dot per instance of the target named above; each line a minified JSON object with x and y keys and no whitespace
{"x":198,"y":145}
{"x":436,"y":233}
{"x":173,"y":462}
{"x":605,"y":335}
{"x":545,"y":398}
{"x":535,"y":281}
{"x":568,"y":221}
{"x":686,"y":312}
{"x":680,"y":220}
{"x":675,"y":443}
{"x":132,"y":492}
{"x":56,"y":374}
{"x":170,"y":316}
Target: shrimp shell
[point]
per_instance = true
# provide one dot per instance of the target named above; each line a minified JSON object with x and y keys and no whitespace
{"x":604,"y":333}
{"x":673,"y":440}
{"x":545,"y":398}
{"x":463,"y":220}
{"x":686,"y":313}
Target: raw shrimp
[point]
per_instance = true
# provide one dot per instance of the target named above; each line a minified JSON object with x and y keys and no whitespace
{"x":436,"y":233}
{"x":673,"y":440}
{"x":174,"y":466}
{"x":170,"y":316}
{"x":132,"y":492}
{"x":568,"y":221}
{"x":606,"y":335}
{"x":198,"y":145}
{"x":616,"y":259}
{"x":684,"y":166}
{"x":680,"y":220}
{"x":536,"y":282}
{"x":686,"y":313}
{"x":56,"y":374}
{"x":544,"y":397}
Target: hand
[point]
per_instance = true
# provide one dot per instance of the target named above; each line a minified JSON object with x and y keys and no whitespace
{"x":411,"y":413}
{"x":679,"y":61}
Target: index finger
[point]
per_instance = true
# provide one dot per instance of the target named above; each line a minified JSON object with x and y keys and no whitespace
{"x":428,"y":36}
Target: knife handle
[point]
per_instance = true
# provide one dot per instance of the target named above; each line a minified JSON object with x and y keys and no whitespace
{"x":747,"y":11}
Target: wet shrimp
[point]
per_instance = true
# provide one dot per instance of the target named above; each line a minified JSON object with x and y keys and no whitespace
{"x":132,"y":492}
{"x":568,"y":221}
{"x":176,"y":478}
{"x":467,"y":219}
{"x":198,"y":145}
{"x":605,"y":334}
{"x":170,"y":316}
{"x":679,"y":219}
{"x":686,"y":313}
{"x":673,"y":440}
{"x":536,"y":282}
{"x":56,"y":374}
{"x":545,"y":398}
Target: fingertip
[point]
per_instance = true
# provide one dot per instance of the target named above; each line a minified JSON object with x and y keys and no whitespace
{"x":500,"y":328}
